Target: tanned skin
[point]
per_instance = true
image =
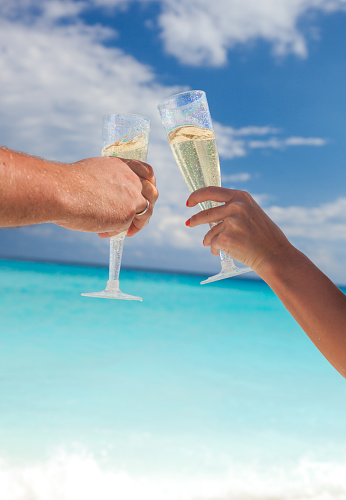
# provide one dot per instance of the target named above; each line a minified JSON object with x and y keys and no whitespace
{"x":249,"y":236}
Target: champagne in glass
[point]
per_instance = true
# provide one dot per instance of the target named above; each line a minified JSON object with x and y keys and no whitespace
{"x":190,"y":134}
{"x":124,"y":136}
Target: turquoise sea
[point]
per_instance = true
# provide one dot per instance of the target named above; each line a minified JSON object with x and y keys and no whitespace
{"x":198,"y":392}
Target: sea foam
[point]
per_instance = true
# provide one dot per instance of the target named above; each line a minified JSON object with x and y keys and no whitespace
{"x":79,"y":475}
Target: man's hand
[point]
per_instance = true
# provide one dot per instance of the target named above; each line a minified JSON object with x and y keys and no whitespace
{"x":100,"y":195}
{"x":107,"y":193}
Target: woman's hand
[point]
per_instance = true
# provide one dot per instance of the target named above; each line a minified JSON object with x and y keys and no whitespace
{"x":245,"y":232}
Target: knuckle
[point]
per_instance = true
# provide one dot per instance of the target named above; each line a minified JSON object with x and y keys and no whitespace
{"x":212,"y":189}
{"x":223,"y":239}
{"x":239,"y":207}
{"x":203,"y":194}
{"x":208,"y":214}
{"x":214,"y":249}
{"x":245,"y":196}
{"x":150,"y":171}
{"x":228,"y":223}
{"x":136,"y":181}
{"x":132,"y":209}
{"x":155,"y":195}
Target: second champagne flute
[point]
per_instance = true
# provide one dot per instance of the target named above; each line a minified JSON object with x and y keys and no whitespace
{"x":125,"y":136}
{"x":187,"y":122}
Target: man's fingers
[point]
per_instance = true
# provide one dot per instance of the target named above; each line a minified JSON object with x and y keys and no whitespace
{"x":143,"y":170}
{"x":212,"y":193}
{"x":139,"y":222}
{"x":106,"y":235}
{"x":149,"y":192}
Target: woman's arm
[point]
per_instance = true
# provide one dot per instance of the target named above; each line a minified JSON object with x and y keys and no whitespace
{"x":248,"y":235}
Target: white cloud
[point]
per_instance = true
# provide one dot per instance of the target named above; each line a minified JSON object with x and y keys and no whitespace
{"x":275,"y":143}
{"x":326,"y":222}
{"x":318,"y":231}
{"x":229,"y":146}
{"x":252,"y":130}
{"x":57,"y":81}
{"x":30,"y":10}
{"x":199,"y":32}
{"x":239,"y":177}
{"x":234,"y":142}
{"x":305,"y":141}
{"x":196,"y":32}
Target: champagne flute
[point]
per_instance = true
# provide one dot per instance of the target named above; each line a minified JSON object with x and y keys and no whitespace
{"x":125,"y":136}
{"x":187,"y":122}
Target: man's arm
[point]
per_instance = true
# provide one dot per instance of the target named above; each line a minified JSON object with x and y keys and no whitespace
{"x":99,"y":195}
{"x":248,"y":235}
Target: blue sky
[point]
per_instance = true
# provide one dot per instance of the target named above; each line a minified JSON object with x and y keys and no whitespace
{"x":274,"y":73}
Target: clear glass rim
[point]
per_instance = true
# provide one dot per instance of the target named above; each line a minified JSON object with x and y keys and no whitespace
{"x":200,"y":94}
{"x":141,"y":118}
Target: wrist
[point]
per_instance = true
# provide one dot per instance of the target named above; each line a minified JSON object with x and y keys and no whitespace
{"x":68,"y":188}
{"x":280,"y":263}
{"x":55,"y":197}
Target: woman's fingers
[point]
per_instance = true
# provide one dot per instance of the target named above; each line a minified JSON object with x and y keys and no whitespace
{"x":211,"y":238}
{"x":212,"y":193}
{"x":208,"y":216}
{"x":245,"y":232}
{"x":214,"y":231}
{"x":237,"y":204}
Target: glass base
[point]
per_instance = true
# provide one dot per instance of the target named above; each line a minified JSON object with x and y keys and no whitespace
{"x":227,"y":271}
{"x":112,"y":291}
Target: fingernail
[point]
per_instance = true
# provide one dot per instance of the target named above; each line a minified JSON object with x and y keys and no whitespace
{"x":187,"y":203}
{"x":187,"y":223}
{"x":204,"y":243}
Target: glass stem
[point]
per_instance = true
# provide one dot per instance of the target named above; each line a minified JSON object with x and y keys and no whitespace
{"x":224,"y":257}
{"x":227,"y":263}
{"x":115,"y":254}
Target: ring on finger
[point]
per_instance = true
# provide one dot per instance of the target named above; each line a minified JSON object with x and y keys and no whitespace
{"x":145,"y":210}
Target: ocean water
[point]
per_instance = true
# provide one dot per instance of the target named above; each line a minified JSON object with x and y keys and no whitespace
{"x":198,"y":393}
